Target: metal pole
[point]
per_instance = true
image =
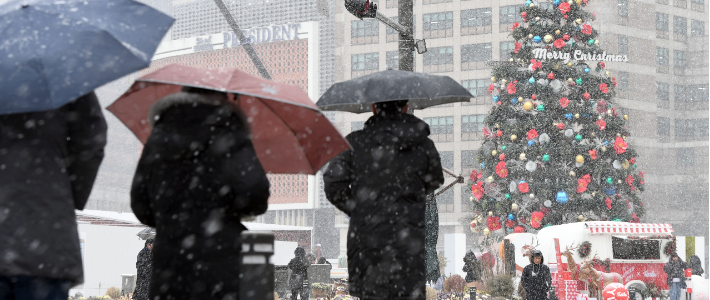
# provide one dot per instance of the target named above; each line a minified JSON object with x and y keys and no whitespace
{"x":406,"y":41}
{"x":243,"y":40}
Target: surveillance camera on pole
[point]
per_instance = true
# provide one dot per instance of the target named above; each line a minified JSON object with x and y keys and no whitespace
{"x":361,"y":8}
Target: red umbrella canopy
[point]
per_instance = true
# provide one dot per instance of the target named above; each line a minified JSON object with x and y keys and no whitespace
{"x":289,"y":132}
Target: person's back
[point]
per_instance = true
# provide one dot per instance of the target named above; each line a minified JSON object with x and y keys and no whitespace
{"x":382,"y":185}
{"x":197,"y":176}
{"x":48,"y":163}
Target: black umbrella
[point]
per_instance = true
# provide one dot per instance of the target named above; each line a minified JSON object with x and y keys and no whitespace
{"x":422,"y":91}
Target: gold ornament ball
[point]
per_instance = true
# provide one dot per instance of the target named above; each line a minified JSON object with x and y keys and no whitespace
{"x":594,"y":194}
{"x":532,"y":4}
{"x":570,"y":2}
{"x":513,"y":137}
{"x":579,"y":159}
{"x":532,"y":195}
{"x":514,"y":207}
{"x":596,"y":42}
{"x":618,"y":134}
{"x":470,"y":199}
{"x":530,"y":36}
{"x":557,"y":32}
{"x":593,"y":134}
{"x":522,"y":156}
{"x":608,"y":111}
{"x":548,"y":38}
{"x":626,"y":117}
{"x":580,"y":218}
{"x":576,"y":116}
{"x":497,"y":125}
{"x":579,"y":2}
{"x":490,"y":213}
{"x":537,"y":18}
{"x":572,"y":173}
{"x":503,"y":81}
{"x":520,"y":99}
{"x":510,"y":60}
{"x":490,"y":179}
{"x":493,"y":79}
{"x":579,"y":21}
{"x":486,"y":231}
{"x":618,"y":181}
{"x":569,"y":64}
{"x":607,"y":73}
{"x":603,"y":148}
{"x":570,"y":80}
{"x":494,"y":152}
{"x":528,"y":106}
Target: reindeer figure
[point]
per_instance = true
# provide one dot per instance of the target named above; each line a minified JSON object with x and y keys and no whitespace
{"x":597,"y":280}
{"x":571,"y":264}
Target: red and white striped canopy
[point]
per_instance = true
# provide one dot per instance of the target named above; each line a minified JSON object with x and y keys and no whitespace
{"x":628,"y":228}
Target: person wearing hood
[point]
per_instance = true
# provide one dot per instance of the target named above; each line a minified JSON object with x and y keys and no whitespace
{"x":675,"y":269}
{"x":48,"y":164}
{"x":381,"y":184}
{"x":536,"y":278}
{"x":143,"y":266}
{"x":299,"y":274}
{"x":197,"y":177}
{"x":696,"y":265}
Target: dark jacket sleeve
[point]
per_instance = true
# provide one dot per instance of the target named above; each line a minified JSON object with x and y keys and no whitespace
{"x":547,"y":278}
{"x":140,"y":199}
{"x":86,"y":140}
{"x":434,"y":176}
{"x":249,"y":181}
{"x":337,"y":179}
{"x":525,"y":279}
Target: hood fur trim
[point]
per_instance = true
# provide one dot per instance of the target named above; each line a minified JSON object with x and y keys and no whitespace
{"x":182,"y":98}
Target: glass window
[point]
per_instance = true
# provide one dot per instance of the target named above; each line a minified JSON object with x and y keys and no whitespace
{"x":623,"y":8}
{"x":623,"y":81}
{"x":680,"y":25}
{"x":447,"y":159}
{"x":663,"y":91}
{"x":679,"y":93}
{"x":476,"y":17}
{"x":662,"y":21}
{"x":477,"y":87}
{"x":441,"y":128}
{"x":390,"y":30}
{"x":510,"y":14}
{"x":697,"y":93}
{"x":393,"y":60}
{"x":661,"y":56}
{"x":439,"y":56}
{"x":366,"y":27}
{"x":472,"y":127}
{"x":623,"y":248}
{"x":506,"y":48}
{"x":623,"y":44}
{"x":476,"y":52}
{"x":679,"y":59}
{"x":697,"y":27}
{"x":469,"y":160}
{"x":685,"y":157}
{"x":663,"y":126}
{"x":702,"y":2}
{"x":365,"y":61}
{"x":438,"y":21}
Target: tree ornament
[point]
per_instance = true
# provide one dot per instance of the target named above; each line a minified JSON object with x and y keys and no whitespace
{"x":626,"y":117}
{"x":501,"y":157}
{"x":513,"y":137}
{"x":578,"y":137}
{"x":531,"y":195}
{"x":511,"y":217}
{"x":587,"y":70}
{"x":530,"y":36}
{"x":503,"y":147}
{"x":493,"y":79}
{"x":490,"y":179}
{"x":562,"y":197}
{"x":522,"y":156}
{"x":578,"y":81}
{"x":580,"y":218}
{"x":579,"y":159}
{"x":546,"y":158}
{"x":548,"y":38}
{"x":603,"y":148}
{"x":531,"y":80}
{"x":528,"y":106}
{"x":486,"y":232}
{"x":609,"y":180}
{"x":503,"y":81}
{"x":576,"y":116}
{"x":590,"y":42}
{"x":514,"y":207}
{"x":494,"y":152}
{"x":537,"y":39}
{"x":550,"y":76}
{"x":540,"y":107}
{"x":579,"y":21}
{"x":557,"y":32}
{"x":531,"y":166}
{"x":572,"y":173}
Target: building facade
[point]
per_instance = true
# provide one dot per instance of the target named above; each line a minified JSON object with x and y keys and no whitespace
{"x":663,"y":88}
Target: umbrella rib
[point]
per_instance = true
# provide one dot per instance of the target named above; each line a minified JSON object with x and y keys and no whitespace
{"x":290,"y":129}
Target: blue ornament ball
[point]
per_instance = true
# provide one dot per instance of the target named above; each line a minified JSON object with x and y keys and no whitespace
{"x":531,"y":142}
{"x":562,"y":197}
{"x":556,"y":2}
{"x":531,"y":80}
{"x":528,"y":2}
{"x":511,"y":217}
{"x":568,"y":116}
{"x":610,"y":190}
{"x":495,"y":98}
{"x":514,"y":100}
{"x":483,"y":165}
{"x":537,"y":39}
{"x":587,"y":70}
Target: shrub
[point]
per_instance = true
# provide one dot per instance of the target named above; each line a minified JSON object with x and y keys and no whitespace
{"x":113,"y":292}
{"x":430,"y":293}
{"x":454,"y":284}
{"x":500,"y":286}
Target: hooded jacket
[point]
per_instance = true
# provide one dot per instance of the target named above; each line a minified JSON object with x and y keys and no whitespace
{"x":536,"y":280}
{"x":299,"y":266}
{"x":381,"y":184}
{"x":197,"y":176}
{"x":695,"y":264}
{"x":48,"y":164}
{"x":144,"y":267}
{"x":675,"y":269}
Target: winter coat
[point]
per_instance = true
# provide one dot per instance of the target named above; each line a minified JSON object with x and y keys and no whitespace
{"x":48,"y":163}
{"x":536,"y":287}
{"x":299,"y":271}
{"x":382,"y":185}
{"x":695,"y":264}
{"x":675,"y":269}
{"x":144,"y":267}
{"x":197,"y":176}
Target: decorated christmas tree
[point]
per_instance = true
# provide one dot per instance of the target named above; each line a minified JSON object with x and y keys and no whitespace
{"x":555,"y":148}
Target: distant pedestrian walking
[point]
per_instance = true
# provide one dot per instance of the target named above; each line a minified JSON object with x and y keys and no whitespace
{"x":381,"y":184}
{"x":536,"y":279}
{"x":144,"y":267}
{"x":299,"y":274}
{"x":48,"y":163}
{"x":197,"y":176}
{"x":675,"y":269}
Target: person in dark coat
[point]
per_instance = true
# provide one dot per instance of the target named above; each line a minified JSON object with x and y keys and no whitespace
{"x":536,"y":277}
{"x":381,"y":184}
{"x":675,"y":271}
{"x":144,"y":266}
{"x":696,"y":265}
{"x":48,"y":164}
{"x":197,"y":177}
{"x":299,"y":274}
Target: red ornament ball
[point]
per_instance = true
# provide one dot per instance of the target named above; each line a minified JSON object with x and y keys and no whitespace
{"x":534,"y":96}
{"x":551,"y":76}
{"x":565,"y":37}
{"x":586,"y":96}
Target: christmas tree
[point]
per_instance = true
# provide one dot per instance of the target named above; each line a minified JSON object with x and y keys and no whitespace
{"x":555,"y":150}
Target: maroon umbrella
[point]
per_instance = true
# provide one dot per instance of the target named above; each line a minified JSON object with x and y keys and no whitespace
{"x":289,"y":132}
